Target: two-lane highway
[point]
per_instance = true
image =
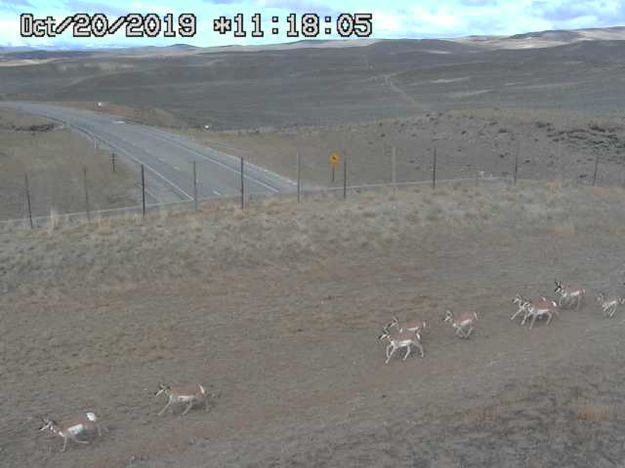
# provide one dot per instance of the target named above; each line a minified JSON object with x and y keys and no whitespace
{"x":167,"y":157}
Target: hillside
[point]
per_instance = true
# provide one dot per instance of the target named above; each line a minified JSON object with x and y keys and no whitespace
{"x":276,"y":310}
{"x":257,"y":87}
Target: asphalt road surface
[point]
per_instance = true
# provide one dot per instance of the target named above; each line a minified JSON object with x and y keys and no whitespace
{"x":167,"y":158}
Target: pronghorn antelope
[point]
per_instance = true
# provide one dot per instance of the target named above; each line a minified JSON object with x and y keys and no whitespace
{"x":540,"y":308}
{"x":609,"y":304}
{"x":463,"y":323}
{"x":73,"y":427}
{"x":569,"y":296}
{"x":188,"y":394}
{"x":522,"y":303}
{"x":409,"y":325}
{"x":401,"y":339}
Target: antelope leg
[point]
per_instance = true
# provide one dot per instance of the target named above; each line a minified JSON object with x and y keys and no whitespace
{"x":186,"y":410}
{"x":407,"y":352}
{"x":420,"y":346}
{"x":165,"y":408}
{"x":533,"y":320}
{"x":76,"y":439}
{"x":516,"y":313}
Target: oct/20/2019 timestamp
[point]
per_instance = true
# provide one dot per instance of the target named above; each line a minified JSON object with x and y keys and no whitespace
{"x":99,"y":25}
{"x":308,"y":25}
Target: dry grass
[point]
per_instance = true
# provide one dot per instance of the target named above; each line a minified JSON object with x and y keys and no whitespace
{"x":170,"y":245}
{"x":563,"y":230}
{"x":54,"y":159}
{"x":594,"y":412}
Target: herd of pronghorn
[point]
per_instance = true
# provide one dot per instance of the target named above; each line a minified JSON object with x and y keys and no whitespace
{"x":399,"y":335}
{"x":409,"y":334}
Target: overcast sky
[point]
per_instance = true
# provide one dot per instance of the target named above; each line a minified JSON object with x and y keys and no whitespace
{"x":391,"y":19}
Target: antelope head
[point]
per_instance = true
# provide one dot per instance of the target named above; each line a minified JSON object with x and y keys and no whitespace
{"x":558,"y":287}
{"x":518,"y":299}
{"x":162,"y":389}
{"x":47,"y":424}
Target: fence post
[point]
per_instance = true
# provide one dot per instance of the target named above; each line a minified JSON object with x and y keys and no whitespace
{"x":113,"y":160}
{"x":560,"y":165}
{"x":516,"y":161}
{"x":242,"y":184}
{"x":434,"y":169}
{"x":344,"y":177}
{"x":394,"y":168}
{"x":84,"y":179}
{"x":30,"y":210}
{"x":594,"y":176}
{"x":142,"y":191}
{"x":194,"y":185}
{"x":299,"y":178}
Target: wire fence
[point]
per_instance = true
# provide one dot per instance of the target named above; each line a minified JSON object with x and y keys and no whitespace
{"x":193,"y":191}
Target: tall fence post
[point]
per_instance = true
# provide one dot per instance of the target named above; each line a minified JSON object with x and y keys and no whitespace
{"x":84,"y":180}
{"x":434,"y":169}
{"x":516,"y":161}
{"x":594,"y":176}
{"x":299,"y":178}
{"x":142,"y":191}
{"x":30,"y":209}
{"x":242,"y":183}
{"x":113,"y":161}
{"x":194,"y":186}
{"x":394,"y":167}
{"x":560,"y":164}
{"x":344,"y":177}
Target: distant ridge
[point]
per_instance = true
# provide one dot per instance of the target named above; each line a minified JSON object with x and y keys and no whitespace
{"x":548,"y":38}
{"x":535,"y":39}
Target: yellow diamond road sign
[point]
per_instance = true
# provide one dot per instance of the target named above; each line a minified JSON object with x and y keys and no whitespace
{"x":335,"y":159}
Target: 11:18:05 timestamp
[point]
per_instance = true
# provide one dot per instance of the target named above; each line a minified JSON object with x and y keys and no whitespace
{"x":309,"y":25}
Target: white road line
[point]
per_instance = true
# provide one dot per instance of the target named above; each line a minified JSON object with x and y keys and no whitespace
{"x":138,"y":161}
{"x":219,"y":163}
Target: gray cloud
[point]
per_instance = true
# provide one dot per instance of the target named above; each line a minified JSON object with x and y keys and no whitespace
{"x":15,"y":4}
{"x":301,"y":6}
{"x":80,"y":6}
{"x":478,"y":2}
{"x":585,"y":8}
{"x":223,"y":2}
{"x":565,"y":12}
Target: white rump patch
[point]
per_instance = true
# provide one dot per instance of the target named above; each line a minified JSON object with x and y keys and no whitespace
{"x":91,"y":416}
{"x":77,"y":429}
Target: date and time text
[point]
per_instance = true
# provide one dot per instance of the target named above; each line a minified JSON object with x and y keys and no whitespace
{"x":307,"y":25}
